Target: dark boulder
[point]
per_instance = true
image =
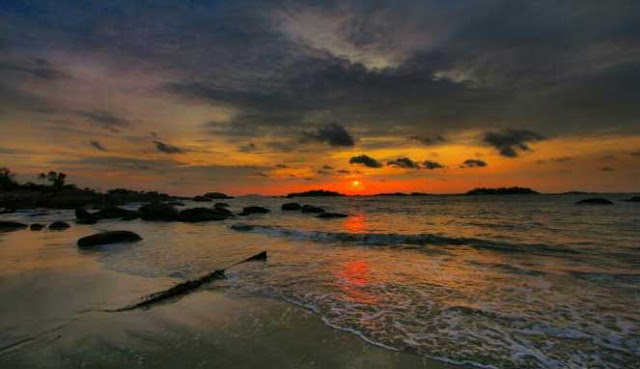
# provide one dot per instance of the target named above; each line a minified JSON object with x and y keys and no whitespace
{"x":311,"y":209}
{"x":291,"y":206}
{"x":203,"y":215}
{"x":106,"y":238}
{"x":11,"y":226}
{"x":332,"y":215}
{"x":36,"y":227}
{"x":224,"y":211}
{"x":158,"y":211}
{"x":220,"y":205}
{"x":114,"y":212}
{"x":202,"y":199}
{"x":84,"y":217}
{"x":254,"y":210}
{"x":633,"y":199}
{"x":594,"y":201}
{"x":59,"y":226}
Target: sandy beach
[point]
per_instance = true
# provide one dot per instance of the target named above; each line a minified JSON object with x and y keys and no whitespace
{"x":50,"y":318}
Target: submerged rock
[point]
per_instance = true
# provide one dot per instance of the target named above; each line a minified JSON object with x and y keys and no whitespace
{"x":594,"y":201}
{"x":633,"y":199}
{"x":254,"y":210}
{"x":36,"y":227}
{"x":311,"y":209}
{"x":332,"y":215}
{"x":203,"y":215}
{"x":175,"y":203}
{"x":291,"y":206}
{"x":220,"y":205}
{"x":59,"y":226}
{"x":106,"y":238}
{"x":158,"y":211}
{"x":11,"y":226}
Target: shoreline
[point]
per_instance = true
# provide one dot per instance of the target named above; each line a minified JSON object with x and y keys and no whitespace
{"x":51,"y":322}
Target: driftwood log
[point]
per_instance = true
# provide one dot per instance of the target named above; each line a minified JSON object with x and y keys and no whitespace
{"x":184,"y":288}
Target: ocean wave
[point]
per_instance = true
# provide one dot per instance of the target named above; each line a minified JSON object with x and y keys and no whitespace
{"x":391,"y":239}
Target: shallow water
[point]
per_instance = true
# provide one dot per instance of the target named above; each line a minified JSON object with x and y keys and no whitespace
{"x":497,"y":281}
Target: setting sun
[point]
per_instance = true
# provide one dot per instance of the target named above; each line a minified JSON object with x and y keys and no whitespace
{"x":355,"y":183}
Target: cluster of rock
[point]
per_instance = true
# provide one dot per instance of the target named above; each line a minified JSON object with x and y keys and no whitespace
{"x":8,"y":226}
{"x":294,"y":206}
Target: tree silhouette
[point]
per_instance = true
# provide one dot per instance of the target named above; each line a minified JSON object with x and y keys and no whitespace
{"x":57,"y":179}
{"x":7,"y":179}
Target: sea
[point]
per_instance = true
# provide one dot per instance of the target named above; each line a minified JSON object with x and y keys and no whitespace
{"x":490,"y":281}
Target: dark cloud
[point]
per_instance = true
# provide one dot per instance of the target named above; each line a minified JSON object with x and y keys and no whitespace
{"x":249,"y":147}
{"x":38,"y":68}
{"x":167,"y":148}
{"x":365,"y":160}
{"x":561,"y":159}
{"x":431,"y":165}
{"x":332,"y":134}
{"x":508,"y":141}
{"x":635,"y":153}
{"x":281,"y":166}
{"x":343,"y":171}
{"x":105,"y":120}
{"x":473,"y":163}
{"x":429,"y":140}
{"x":404,"y":163}
{"x":97,"y":145}
{"x":607,"y":169}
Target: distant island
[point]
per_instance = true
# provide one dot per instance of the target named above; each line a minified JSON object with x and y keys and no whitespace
{"x":503,"y":191}
{"x":314,"y":193}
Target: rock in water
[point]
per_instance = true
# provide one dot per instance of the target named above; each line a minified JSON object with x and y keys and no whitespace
{"x":291,"y":206}
{"x":633,"y":199}
{"x":220,"y":205}
{"x":11,"y":226}
{"x":159,"y":211}
{"x":332,"y":215}
{"x":36,"y":227}
{"x":594,"y":201}
{"x":59,"y":226}
{"x":115,"y":212}
{"x":217,"y":195}
{"x":311,"y":209}
{"x":203,"y":215}
{"x":254,"y":210}
{"x":202,"y":199}
{"x":106,"y":238}
{"x":84,"y":217}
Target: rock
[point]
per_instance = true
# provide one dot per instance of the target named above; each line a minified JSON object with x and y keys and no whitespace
{"x":203,"y":215}
{"x":106,"y":238}
{"x":84,"y":217}
{"x":254,"y":210}
{"x":332,"y":215}
{"x":217,"y":195}
{"x":202,"y":199}
{"x":314,"y":193}
{"x":11,"y":226}
{"x":36,"y":227}
{"x":7,"y":211}
{"x":59,"y":226}
{"x":158,"y":211}
{"x":224,"y":211}
{"x":633,"y":199}
{"x":132,"y":216}
{"x":175,"y":203}
{"x":114,"y":212}
{"x":594,"y":201}
{"x":220,"y":205}
{"x":311,"y":209}
{"x":291,"y":206}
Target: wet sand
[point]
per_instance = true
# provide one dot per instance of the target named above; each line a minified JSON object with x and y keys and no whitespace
{"x":50,"y":318}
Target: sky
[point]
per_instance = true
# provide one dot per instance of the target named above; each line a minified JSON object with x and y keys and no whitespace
{"x":271,"y":97}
